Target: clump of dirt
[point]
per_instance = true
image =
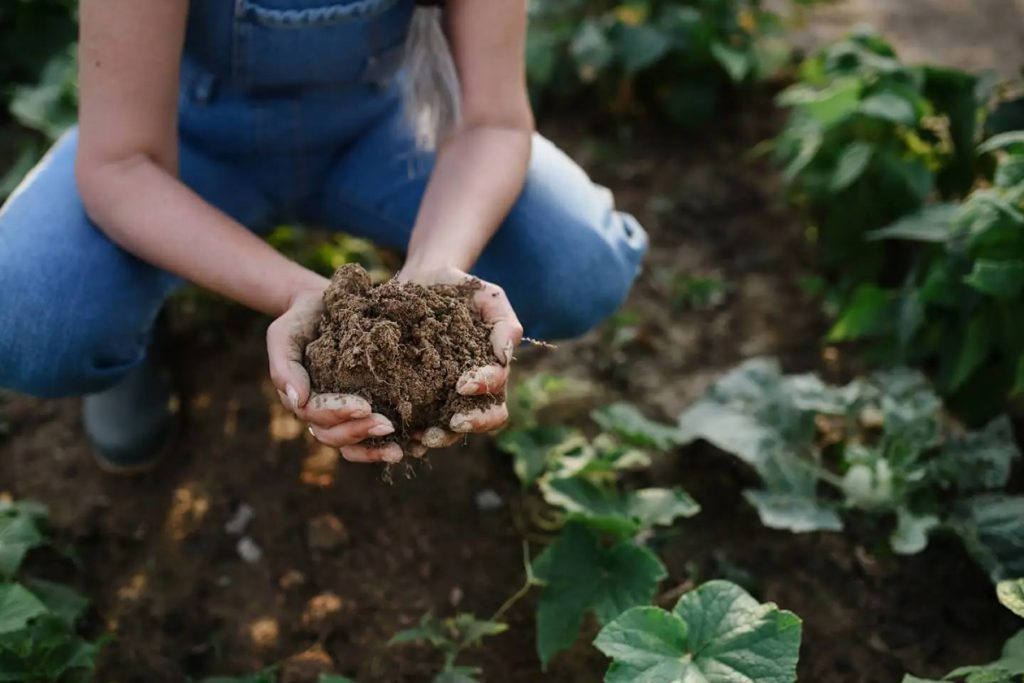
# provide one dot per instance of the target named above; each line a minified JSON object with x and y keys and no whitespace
{"x":401,"y":346}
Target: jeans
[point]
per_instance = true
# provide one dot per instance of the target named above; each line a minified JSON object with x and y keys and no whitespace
{"x":289,"y":112}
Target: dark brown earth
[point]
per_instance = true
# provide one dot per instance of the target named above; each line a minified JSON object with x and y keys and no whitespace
{"x":401,"y":346}
{"x":346,"y":560}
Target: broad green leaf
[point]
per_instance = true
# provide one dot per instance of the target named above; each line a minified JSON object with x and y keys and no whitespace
{"x":852,"y":163}
{"x":459,"y":674}
{"x":1011,"y":595}
{"x":591,"y":49}
{"x":581,"y":576}
{"x":532,"y":449}
{"x":327,"y":678}
{"x":933,"y":223}
{"x":1014,"y":137}
{"x":717,"y":633}
{"x":911,"y":533}
{"x":1004,"y":670}
{"x":795,"y":513}
{"x":727,"y":429}
{"x":640,"y":46}
{"x":19,"y":533}
{"x":977,"y":461}
{"x":627,"y":422}
{"x":18,"y":607}
{"x":870,"y":312}
{"x":1001,"y":279}
{"x":991,"y":527}
{"x":889,"y":107}
{"x":973,"y":349}
{"x":63,"y":601}
{"x":603,"y":507}
{"x":827,"y":106}
{"x":735,"y":62}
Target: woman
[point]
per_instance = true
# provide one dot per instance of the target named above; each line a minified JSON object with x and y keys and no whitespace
{"x":203,"y":126}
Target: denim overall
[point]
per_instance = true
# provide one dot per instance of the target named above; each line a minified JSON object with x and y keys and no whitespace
{"x":289,"y":112}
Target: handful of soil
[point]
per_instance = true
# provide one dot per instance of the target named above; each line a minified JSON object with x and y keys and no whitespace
{"x":400,"y":346}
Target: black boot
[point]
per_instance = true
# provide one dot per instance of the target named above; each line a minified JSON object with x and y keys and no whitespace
{"x":132,"y":424}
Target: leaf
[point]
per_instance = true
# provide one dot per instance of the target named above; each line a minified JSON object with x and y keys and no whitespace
{"x":933,"y":223}
{"x":870,"y":312}
{"x":606,"y":509}
{"x":1001,"y":279}
{"x":1011,"y":595}
{"x":991,"y":527}
{"x":717,"y":633}
{"x":1003,"y":670}
{"x":19,"y":533}
{"x":735,"y":62}
{"x":911,"y":533}
{"x":627,"y":422}
{"x":532,"y":449}
{"x":827,"y":106}
{"x":62,"y":601}
{"x":973,"y":349}
{"x":581,"y":576}
{"x":978,"y":460}
{"x":640,"y":46}
{"x":852,"y":163}
{"x":591,"y":49}
{"x":889,"y":107}
{"x":18,"y":607}
{"x":459,"y":674}
{"x":795,"y":513}
{"x":1015,"y":137}
{"x":328,"y":678}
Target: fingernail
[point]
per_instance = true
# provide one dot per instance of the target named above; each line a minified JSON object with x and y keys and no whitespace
{"x":468,"y":388}
{"x":509,"y":349}
{"x":360,"y":413}
{"x":462,"y":426}
{"x":381,"y":430}
{"x":293,"y":396}
{"x":312,"y":431}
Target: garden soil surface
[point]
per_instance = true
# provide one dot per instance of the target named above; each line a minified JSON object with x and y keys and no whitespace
{"x":345,"y":560}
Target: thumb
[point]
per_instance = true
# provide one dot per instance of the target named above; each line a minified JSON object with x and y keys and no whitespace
{"x":285,"y":352}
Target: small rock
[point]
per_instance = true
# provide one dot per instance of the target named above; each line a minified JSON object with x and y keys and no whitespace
{"x":488,"y":500}
{"x":292,"y":578}
{"x":326,"y":533}
{"x":307,"y":667}
{"x":238,"y":523}
{"x":323,"y":612}
{"x":248,"y":550}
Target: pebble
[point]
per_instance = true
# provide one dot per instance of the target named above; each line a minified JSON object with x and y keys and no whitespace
{"x":239,"y":521}
{"x":488,"y":500}
{"x":248,"y":550}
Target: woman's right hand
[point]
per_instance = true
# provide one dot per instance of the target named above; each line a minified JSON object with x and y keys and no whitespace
{"x":337,"y":420}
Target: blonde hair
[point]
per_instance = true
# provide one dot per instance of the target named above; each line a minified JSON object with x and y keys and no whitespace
{"x":430,"y":82}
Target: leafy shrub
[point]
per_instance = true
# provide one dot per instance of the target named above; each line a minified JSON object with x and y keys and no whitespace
{"x":38,"y":640}
{"x":671,"y":57}
{"x":452,"y":637}
{"x":880,"y":445}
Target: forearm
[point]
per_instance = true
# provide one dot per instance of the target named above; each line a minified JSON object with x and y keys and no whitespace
{"x":478,"y":175}
{"x":151,"y":214}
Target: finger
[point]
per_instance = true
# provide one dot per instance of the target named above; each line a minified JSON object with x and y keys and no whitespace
{"x":484,"y":420}
{"x":328,"y":410}
{"x":489,"y":379}
{"x":435,"y":437}
{"x":286,"y":340}
{"x":390,"y":453}
{"x":352,"y":432}
{"x":506,"y":330}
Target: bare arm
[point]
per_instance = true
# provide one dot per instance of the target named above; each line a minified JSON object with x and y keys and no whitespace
{"x":481,"y":167}
{"x":127,"y":165}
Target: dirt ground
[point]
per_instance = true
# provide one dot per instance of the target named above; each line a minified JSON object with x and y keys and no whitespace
{"x":346,"y":560}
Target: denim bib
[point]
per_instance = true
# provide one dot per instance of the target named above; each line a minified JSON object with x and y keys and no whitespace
{"x":262,"y":46}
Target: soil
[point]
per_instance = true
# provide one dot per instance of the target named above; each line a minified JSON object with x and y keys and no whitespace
{"x":401,"y":346}
{"x":336,"y":561}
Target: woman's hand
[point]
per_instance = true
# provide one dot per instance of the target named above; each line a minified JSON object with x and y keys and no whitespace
{"x":506,"y":333}
{"x":337,"y":420}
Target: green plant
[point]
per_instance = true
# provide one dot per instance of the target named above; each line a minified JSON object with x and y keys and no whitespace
{"x":268,"y":675}
{"x":452,"y":636}
{"x":671,"y":57}
{"x":598,"y":563}
{"x":880,"y":446}
{"x":38,"y":639}
{"x":716,"y":633}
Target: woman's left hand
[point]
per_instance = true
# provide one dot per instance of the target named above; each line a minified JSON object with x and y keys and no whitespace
{"x":506,"y":334}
